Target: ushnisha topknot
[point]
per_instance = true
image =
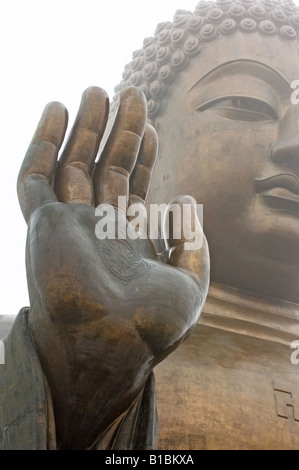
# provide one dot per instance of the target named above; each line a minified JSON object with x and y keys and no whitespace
{"x":174,"y":44}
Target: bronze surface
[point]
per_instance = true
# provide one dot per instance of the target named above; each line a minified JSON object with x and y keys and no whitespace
{"x":105,"y":313}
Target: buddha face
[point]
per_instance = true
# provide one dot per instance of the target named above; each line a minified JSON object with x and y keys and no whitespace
{"x":229,"y":137}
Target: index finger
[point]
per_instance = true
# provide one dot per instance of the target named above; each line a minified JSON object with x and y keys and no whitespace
{"x":141,"y":177}
{"x":34,"y":180}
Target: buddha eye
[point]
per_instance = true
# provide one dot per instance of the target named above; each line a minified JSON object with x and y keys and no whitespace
{"x":241,"y":109}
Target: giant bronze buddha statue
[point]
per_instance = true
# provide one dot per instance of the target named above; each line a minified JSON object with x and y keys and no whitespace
{"x":218,"y":86}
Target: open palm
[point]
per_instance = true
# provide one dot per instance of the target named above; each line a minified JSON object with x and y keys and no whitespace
{"x":103,"y":312}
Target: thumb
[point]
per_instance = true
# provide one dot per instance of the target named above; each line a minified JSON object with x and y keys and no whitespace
{"x":187,"y":244}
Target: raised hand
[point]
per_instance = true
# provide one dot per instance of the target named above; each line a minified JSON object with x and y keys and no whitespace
{"x":103,"y":312}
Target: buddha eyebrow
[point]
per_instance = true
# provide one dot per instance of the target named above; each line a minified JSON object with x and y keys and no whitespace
{"x":252,"y":65}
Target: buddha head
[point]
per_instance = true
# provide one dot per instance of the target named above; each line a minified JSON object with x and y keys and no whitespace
{"x":218,"y":83}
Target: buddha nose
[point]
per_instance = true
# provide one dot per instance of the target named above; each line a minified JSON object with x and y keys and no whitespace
{"x":286,"y":149}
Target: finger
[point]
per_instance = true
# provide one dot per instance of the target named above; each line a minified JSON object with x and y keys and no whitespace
{"x":112,"y":174}
{"x":141,"y":178}
{"x":76,"y":164}
{"x":186,"y":241}
{"x":37,"y":170}
{"x":142,"y":173}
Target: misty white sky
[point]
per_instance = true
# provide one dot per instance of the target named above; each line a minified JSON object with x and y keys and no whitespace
{"x":53,"y":50}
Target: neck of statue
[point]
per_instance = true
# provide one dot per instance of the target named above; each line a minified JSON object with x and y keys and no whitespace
{"x":246,"y":269}
{"x":249,"y":314}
